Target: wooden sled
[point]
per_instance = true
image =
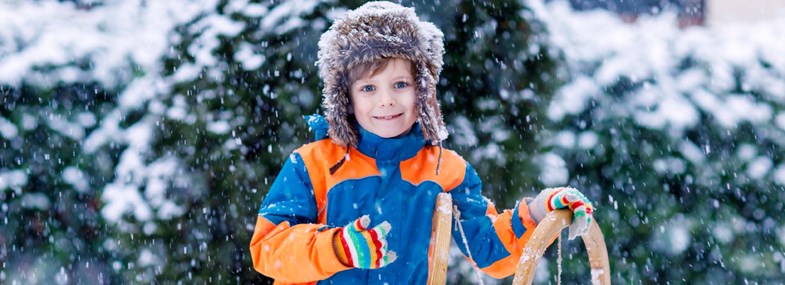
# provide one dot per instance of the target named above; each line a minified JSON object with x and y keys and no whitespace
{"x":546,"y":232}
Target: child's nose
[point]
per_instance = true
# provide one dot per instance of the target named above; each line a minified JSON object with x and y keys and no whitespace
{"x":386,"y":98}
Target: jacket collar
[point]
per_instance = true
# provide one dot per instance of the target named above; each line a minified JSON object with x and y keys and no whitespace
{"x":381,"y":149}
{"x":390,"y":149}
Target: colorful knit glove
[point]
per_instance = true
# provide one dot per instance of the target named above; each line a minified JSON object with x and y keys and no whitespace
{"x":357,"y":246}
{"x":565,"y":197}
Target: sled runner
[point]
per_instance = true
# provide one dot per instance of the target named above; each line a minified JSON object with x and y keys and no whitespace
{"x":546,"y":232}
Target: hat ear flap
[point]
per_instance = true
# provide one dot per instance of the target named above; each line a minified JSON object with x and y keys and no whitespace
{"x":429,"y":111}
{"x":341,"y":130}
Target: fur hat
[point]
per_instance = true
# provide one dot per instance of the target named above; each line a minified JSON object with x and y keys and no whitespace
{"x":374,"y":31}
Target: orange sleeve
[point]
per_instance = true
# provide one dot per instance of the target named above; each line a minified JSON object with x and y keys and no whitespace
{"x":290,"y":242}
{"x":294,"y":254}
{"x":514,"y":245}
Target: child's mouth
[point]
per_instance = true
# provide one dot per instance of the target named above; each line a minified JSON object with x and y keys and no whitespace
{"x":391,"y":117}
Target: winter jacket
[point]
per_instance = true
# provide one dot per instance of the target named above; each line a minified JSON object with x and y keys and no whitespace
{"x":390,"y":179}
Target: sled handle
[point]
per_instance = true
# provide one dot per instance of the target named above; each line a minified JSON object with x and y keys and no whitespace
{"x":546,"y":232}
{"x":442,"y":227}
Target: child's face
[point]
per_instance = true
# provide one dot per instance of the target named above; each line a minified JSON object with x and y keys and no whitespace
{"x":384,"y":103}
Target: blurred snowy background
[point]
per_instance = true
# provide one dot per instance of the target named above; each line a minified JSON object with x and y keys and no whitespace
{"x":138,"y":138}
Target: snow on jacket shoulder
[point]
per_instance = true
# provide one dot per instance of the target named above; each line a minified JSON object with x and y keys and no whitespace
{"x":392,"y":180}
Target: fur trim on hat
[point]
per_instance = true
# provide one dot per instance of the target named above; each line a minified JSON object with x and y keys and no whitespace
{"x":369,"y":33}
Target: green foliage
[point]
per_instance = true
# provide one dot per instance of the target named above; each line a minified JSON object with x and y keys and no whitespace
{"x":51,"y":220}
{"x":678,"y":204}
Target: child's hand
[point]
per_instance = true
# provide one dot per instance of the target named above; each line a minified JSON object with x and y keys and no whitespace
{"x":559,"y":198}
{"x":357,"y":246}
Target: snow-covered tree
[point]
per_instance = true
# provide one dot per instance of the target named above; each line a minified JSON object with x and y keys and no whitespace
{"x":678,"y":136}
{"x":70,"y":74}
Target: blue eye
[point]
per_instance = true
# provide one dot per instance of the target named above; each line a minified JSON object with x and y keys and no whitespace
{"x":401,"y":85}
{"x":368,"y":88}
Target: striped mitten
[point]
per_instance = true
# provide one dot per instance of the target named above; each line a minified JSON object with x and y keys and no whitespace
{"x":360,"y":247}
{"x":560,"y":198}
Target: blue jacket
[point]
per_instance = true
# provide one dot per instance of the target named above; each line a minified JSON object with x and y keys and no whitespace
{"x":390,"y":179}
